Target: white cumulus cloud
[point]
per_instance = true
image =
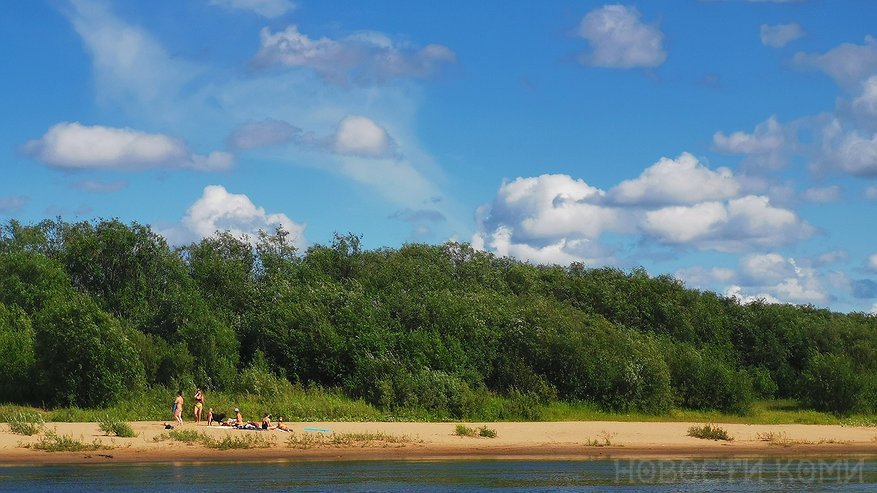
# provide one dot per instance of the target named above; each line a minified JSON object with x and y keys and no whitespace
{"x":848,"y":64}
{"x":366,"y":57}
{"x":872,"y":262}
{"x":781,"y":34}
{"x":736,"y":225}
{"x":619,"y":39}
{"x":361,"y":136}
{"x":762,"y":147}
{"x":822,"y":195}
{"x":866,"y":102}
{"x":266,"y":8}
{"x":219,"y":210}
{"x":560,"y":217}
{"x":77,"y":146}
{"x":683,"y":180}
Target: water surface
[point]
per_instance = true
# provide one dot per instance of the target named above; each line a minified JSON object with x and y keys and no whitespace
{"x":751,"y":475}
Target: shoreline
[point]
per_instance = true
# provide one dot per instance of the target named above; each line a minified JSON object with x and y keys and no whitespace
{"x":587,"y":440}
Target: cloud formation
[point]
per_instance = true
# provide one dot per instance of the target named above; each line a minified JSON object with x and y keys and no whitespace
{"x":678,"y":181}
{"x":780,"y":35}
{"x":99,"y":186}
{"x":355,"y":135}
{"x":129,"y":65}
{"x":822,"y":195}
{"x":266,"y":8}
{"x":558,"y":217}
{"x":76,"y":146}
{"x":366,"y":57}
{"x":219,"y":210}
{"x":619,"y":39}
{"x":12,"y":203}
{"x":763,"y":147}
{"x":848,"y":64}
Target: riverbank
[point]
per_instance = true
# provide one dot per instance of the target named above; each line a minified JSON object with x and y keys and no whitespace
{"x":434,"y":441}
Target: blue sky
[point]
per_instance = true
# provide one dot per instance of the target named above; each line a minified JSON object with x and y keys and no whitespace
{"x":732,"y":144}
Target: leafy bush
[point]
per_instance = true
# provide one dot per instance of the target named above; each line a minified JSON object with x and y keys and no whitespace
{"x":486,"y":432}
{"x":464,"y":431}
{"x":701,"y":380}
{"x":709,"y":432}
{"x":113,"y":426}
{"x":83,"y":355}
{"x":831,"y":383}
{"x":26,"y":423}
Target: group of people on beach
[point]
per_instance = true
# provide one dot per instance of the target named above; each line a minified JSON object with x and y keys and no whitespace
{"x":236,"y":422}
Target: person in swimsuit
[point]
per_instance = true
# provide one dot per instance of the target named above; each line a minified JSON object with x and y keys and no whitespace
{"x":178,"y":408}
{"x":199,"y":405}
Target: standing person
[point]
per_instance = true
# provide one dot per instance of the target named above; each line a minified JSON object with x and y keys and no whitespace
{"x":199,"y":405}
{"x":178,"y":408}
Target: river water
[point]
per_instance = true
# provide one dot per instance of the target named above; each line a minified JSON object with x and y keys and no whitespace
{"x":738,"y":475}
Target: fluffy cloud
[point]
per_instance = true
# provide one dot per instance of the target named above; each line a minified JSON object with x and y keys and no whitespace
{"x":360,"y":136}
{"x":683,"y":180}
{"x":129,"y":64}
{"x":354,"y":136}
{"x":850,"y":152}
{"x":780,"y":35}
{"x":761,"y":269}
{"x":763,"y":147}
{"x":872,"y":262}
{"x":822,"y":195}
{"x":100,"y":186}
{"x":777,"y":279}
{"x":265,"y":8}
{"x":219,"y":210}
{"x":866,"y":103}
{"x":77,"y":146}
{"x":738,"y":225}
{"x":848,"y":64}
{"x":553,"y":207}
{"x":559,"y":217}
{"x":361,"y":58}
{"x":619,"y":39}
{"x":12,"y":203}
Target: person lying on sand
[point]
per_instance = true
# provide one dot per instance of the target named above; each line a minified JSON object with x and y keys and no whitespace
{"x":281,"y":426}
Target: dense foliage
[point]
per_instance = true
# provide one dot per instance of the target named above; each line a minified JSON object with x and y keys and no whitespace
{"x":91,"y":312}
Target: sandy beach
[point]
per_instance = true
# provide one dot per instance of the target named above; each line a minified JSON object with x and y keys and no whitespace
{"x":436,"y":441}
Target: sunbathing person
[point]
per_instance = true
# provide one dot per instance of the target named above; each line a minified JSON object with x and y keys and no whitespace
{"x":266,"y":421}
{"x":281,"y":425}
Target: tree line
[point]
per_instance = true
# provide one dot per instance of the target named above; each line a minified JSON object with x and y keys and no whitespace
{"x":93,"y":311}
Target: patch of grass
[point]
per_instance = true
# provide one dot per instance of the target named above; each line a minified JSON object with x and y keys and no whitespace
{"x":247,"y":441}
{"x":305,"y":440}
{"x":52,"y":442}
{"x":185,"y":436}
{"x":464,"y":431}
{"x":486,"y":432}
{"x":782,"y":439}
{"x":709,"y":432}
{"x":366,"y":439}
{"x":227,"y":442}
{"x":26,"y":423}
{"x":483,"y":431}
{"x":605,"y":440}
{"x":113,"y":426}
